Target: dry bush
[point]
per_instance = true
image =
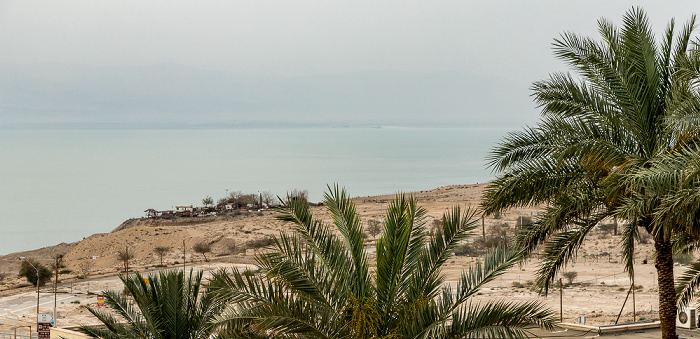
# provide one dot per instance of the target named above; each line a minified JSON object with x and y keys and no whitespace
{"x":374,"y":227}
{"x":570,"y":276}
{"x":259,"y":243}
{"x":202,"y":248}
{"x":161,"y":251}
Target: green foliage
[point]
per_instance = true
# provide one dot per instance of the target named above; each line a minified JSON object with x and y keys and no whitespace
{"x":208,"y":201}
{"x":608,"y":146}
{"x":170,"y":305}
{"x":316,"y":281}
{"x":29,"y":271}
{"x":467,"y":249}
{"x":683,"y":258}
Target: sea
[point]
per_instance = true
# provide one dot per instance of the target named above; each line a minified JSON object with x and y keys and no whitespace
{"x":61,"y":184}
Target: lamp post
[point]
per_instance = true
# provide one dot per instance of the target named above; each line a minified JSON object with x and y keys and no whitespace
{"x":57,"y":258}
{"x":38,"y":280}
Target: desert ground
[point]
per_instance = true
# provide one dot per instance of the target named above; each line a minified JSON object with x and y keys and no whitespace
{"x":598,"y":291}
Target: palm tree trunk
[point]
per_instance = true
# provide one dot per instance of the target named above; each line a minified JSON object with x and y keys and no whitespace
{"x":667,"y":292}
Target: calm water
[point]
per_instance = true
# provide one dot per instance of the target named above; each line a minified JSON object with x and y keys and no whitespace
{"x":60,"y":185}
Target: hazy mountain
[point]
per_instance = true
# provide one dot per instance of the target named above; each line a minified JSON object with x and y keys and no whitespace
{"x":175,"y":94}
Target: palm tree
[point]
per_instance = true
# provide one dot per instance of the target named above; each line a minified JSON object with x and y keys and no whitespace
{"x":316,"y":282}
{"x":598,"y":127}
{"x":673,"y":181}
{"x":166,"y":305}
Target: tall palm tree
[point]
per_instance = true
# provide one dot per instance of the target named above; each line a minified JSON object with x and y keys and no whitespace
{"x":673,"y":181}
{"x":166,"y":305}
{"x":317,"y":282}
{"x":598,"y":126}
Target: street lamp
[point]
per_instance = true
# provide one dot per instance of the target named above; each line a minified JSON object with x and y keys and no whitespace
{"x":38,"y":280}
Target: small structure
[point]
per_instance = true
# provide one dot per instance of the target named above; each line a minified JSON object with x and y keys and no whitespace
{"x":183,"y":208}
{"x":151,"y":213}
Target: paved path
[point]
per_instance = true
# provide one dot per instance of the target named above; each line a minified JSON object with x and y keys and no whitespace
{"x":25,"y":304}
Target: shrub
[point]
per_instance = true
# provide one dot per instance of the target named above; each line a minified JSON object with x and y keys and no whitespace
{"x":65,"y":272}
{"x":607,"y":228}
{"x":570,"y":276}
{"x":259,"y":243}
{"x":202,"y":248}
{"x":161,"y":251}
{"x":30,"y":272}
{"x":467,"y":249}
{"x":683,"y":258}
{"x":374,"y":227}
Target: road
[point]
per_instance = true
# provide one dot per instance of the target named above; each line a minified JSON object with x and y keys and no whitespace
{"x":21,"y":306}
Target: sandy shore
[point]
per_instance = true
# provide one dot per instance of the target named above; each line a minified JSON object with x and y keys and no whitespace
{"x":599,"y":293}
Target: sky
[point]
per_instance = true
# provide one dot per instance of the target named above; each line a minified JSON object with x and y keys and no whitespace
{"x":503,"y":38}
{"x":129,"y":71}
{"x":287,"y":45}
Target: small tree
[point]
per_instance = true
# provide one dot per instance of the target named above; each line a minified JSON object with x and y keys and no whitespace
{"x":374,"y":227}
{"x":570,"y":276}
{"x":202,"y":248}
{"x":161,"y":251}
{"x":208,"y":201}
{"x":30,"y":272}
{"x":268,"y":198}
{"x":124,"y":257}
{"x":297,"y":193}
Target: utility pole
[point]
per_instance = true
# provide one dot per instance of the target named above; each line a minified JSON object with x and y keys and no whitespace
{"x":57,"y":260}
{"x":634,"y":302}
{"x":184,"y":256}
{"x":561,"y":301}
{"x":38,"y":280}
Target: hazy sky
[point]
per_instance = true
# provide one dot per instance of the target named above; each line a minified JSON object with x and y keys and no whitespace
{"x":447,"y":63}
{"x":374,"y":62}
{"x":497,"y":38}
